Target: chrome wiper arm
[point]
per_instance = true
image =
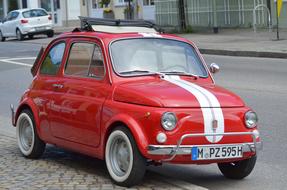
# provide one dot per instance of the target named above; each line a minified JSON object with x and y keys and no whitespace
{"x":134,"y":71}
{"x":141,"y":72}
{"x":179,"y":73}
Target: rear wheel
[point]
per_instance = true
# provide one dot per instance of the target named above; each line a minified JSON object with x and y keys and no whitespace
{"x":19,"y":35}
{"x":239,"y":169}
{"x":125,"y":163}
{"x":2,"y":38}
{"x":50,"y":34}
{"x":30,"y":145}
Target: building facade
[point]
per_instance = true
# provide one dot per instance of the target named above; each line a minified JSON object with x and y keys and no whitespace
{"x":198,"y":13}
{"x":223,"y":13}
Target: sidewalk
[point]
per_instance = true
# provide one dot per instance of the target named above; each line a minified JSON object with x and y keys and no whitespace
{"x":241,"y":42}
{"x":234,"y":42}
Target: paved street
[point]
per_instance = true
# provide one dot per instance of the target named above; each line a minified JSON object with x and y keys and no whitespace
{"x":260,"y":82}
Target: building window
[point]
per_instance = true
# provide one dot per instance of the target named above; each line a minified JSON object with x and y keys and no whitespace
{"x":24,"y":4}
{"x":13,"y":5}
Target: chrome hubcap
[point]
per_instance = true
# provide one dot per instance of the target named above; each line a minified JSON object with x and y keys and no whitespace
{"x":119,"y":156}
{"x":25,"y":134}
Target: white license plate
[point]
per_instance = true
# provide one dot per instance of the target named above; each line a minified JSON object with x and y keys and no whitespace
{"x":216,"y":152}
{"x":40,"y":28}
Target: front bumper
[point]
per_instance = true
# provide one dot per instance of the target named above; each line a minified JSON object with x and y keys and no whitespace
{"x":171,"y":151}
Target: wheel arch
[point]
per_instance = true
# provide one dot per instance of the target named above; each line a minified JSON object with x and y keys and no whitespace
{"x":133,"y":126}
{"x":28,"y":104}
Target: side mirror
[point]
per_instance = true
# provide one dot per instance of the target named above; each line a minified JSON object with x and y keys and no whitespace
{"x":213,"y":68}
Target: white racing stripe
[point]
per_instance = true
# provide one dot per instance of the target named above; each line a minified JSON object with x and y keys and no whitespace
{"x":209,"y":104}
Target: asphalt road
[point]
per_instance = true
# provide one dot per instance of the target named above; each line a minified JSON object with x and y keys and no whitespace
{"x":260,"y":82}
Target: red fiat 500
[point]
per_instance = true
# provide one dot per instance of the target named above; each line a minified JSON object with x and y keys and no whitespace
{"x":127,"y":93}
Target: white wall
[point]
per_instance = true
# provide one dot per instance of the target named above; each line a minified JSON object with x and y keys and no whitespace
{"x":74,"y":9}
{"x":33,"y":4}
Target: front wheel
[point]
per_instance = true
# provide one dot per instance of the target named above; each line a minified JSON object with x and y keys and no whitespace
{"x":30,"y":144}
{"x":239,"y":169}
{"x":125,"y":163}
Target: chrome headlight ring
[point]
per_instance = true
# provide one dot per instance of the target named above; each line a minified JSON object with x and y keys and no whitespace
{"x":250,"y":119}
{"x":168,"y":121}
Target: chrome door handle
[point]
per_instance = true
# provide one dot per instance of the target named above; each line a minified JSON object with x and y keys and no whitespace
{"x":58,"y":85}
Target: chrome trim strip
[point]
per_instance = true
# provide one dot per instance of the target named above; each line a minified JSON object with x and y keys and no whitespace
{"x":174,"y":150}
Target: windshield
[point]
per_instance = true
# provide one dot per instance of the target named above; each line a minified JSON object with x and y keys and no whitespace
{"x":145,"y":56}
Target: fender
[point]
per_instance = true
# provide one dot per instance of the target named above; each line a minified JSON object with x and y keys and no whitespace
{"x":132,"y":125}
{"x":28,"y":102}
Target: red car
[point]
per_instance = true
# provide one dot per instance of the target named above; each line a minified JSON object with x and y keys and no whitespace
{"x":125,"y":92}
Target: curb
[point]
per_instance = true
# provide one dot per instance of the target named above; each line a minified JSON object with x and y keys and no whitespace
{"x":244,"y":53}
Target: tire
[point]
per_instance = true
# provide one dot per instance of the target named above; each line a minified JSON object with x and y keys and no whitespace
{"x":31,"y":36}
{"x":50,"y":34}
{"x":30,"y":145}
{"x":19,"y":35}
{"x":237,"y":170}
{"x":2,"y":38}
{"x":125,"y":163}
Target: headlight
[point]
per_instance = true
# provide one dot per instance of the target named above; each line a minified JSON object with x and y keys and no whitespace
{"x":168,"y":121}
{"x":251,"y":119}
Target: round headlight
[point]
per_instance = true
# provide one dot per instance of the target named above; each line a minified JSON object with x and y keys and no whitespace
{"x":251,"y":119}
{"x":168,"y":121}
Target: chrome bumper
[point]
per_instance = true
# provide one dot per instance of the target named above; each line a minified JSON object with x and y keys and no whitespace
{"x":173,"y":150}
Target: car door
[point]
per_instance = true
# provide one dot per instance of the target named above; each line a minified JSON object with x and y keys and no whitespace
{"x":10,"y":23}
{"x":84,"y":88}
{"x":5,"y":24}
{"x":44,"y":88}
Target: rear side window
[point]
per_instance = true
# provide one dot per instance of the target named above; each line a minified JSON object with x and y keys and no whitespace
{"x":53,"y":60}
{"x":34,"y":13}
{"x":85,"y":60}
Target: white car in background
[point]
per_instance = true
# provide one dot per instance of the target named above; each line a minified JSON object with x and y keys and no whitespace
{"x":26,"y":22}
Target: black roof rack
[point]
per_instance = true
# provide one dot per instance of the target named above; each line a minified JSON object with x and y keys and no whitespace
{"x":88,"y":22}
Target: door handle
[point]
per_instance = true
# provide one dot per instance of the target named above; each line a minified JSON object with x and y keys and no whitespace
{"x":58,"y":86}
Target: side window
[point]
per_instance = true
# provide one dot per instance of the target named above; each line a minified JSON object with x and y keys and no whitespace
{"x":14,"y":15}
{"x":97,"y":68}
{"x":79,"y":59}
{"x":85,"y":60}
{"x":53,"y":60}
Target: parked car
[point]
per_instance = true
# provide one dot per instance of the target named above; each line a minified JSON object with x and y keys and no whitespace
{"x":124,"y":92}
{"x":26,"y":22}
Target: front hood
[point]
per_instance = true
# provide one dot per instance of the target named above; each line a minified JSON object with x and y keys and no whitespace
{"x":175,"y":94}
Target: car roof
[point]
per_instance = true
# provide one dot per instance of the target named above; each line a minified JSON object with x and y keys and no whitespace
{"x":108,"y":37}
{"x":23,"y":10}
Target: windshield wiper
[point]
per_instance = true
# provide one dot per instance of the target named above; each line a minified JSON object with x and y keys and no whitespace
{"x":141,"y":72}
{"x":180,"y":73}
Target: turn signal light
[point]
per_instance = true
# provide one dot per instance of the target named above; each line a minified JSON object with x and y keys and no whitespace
{"x":23,"y":21}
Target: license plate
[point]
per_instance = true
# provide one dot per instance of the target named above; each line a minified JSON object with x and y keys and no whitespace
{"x":40,"y":28}
{"x":218,"y":152}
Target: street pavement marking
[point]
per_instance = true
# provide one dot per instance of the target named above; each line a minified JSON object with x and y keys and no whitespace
{"x":16,"y":62}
